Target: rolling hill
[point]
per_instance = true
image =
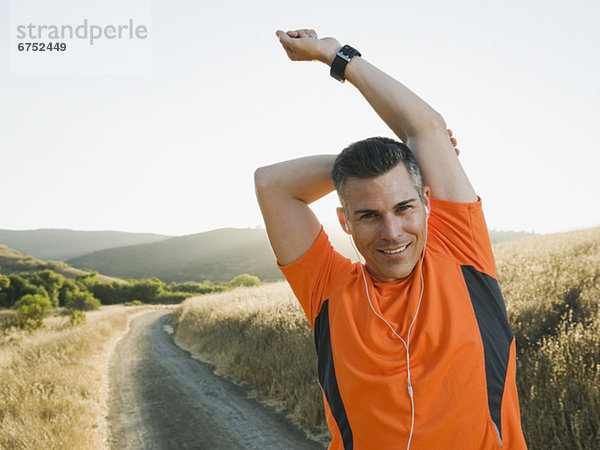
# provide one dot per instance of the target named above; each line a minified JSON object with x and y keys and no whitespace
{"x":62,"y":244}
{"x":216,"y":255}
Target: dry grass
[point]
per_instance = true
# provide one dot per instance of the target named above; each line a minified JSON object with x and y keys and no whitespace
{"x":552,"y":288}
{"x":53,"y":382}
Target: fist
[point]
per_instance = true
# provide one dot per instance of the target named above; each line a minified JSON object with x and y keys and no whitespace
{"x":305,"y":45}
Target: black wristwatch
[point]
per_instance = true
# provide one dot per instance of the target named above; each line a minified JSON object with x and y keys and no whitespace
{"x":341,"y":60}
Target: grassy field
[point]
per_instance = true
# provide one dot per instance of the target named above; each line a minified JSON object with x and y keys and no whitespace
{"x":551,"y":285}
{"x":53,"y":381}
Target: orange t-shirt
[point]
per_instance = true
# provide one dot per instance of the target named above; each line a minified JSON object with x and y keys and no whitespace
{"x":462,"y":351}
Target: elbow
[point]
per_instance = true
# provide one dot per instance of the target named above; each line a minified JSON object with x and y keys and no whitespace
{"x":429,"y":122}
{"x":264,"y":179}
{"x":436,"y":121}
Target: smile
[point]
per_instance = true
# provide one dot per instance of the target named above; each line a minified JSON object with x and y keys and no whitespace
{"x":395,"y":250}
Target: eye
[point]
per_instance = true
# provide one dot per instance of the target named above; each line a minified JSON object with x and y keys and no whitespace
{"x":403,"y":208}
{"x":368,"y":215}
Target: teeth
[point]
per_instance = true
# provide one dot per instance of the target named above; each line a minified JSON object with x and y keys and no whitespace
{"x":393,"y":252}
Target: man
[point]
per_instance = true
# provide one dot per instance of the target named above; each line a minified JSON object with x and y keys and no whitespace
{"x":414,"y":349}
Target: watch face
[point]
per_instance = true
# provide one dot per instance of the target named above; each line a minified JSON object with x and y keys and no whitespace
{"x":344,"y":53}
{"x":347,"y":52}
{"x":345,"y":56}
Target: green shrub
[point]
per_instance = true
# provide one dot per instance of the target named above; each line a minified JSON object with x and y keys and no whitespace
{"x":4,"y":282}
{"x":109,"y":293}
{"x":21,"y":285}
{"x":31,"y":310}
{"x":193,"y":287}
{"x":51,"y":281}
{"x":148,"y":290}
{"x":46,"y":283}
{"x":83,"y":301}
{"x":76,"y":317}
{"x":68,"y":288}
{"x":134,"y":303}
{"x":87,"y":279}
{"x":244,"y":280}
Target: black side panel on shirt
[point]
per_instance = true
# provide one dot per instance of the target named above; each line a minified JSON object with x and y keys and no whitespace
{"x":496,"y":334}
{"x":327,"y":377}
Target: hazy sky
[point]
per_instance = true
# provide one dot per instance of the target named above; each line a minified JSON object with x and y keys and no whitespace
{"x":173,"y":151}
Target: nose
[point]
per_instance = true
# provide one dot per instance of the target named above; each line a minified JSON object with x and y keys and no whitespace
{"x":391,"y":227}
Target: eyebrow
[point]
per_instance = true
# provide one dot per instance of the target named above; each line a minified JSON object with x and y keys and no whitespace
{"x":396,"y":206}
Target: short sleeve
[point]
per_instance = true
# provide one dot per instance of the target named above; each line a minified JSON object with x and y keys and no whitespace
{"x":459,"y":231}
{"x":310,"y":276}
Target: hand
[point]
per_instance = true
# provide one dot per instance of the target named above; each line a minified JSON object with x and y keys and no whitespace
{"x":454,"y":141}
{"x":304,"y":45}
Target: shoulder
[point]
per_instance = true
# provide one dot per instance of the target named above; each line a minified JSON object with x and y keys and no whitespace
{"x":316,"y":274}
{"x":459,"y":231}
{"x":320,"y":259}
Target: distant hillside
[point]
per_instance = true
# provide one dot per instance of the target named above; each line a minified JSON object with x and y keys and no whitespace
{"x":13,"y":261}
{"x":216,"y":255}
{"x":61,"y":244}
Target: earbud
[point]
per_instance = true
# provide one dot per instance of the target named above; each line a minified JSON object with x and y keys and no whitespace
{"x":427,"y":211}
{"x":346,"y":226}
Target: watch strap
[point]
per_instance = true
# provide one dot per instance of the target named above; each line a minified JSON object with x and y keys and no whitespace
{"x":341,"y":60}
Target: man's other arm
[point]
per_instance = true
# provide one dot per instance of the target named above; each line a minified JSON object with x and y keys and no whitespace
{"x":284,"y":191}
{"x":415,"y":122}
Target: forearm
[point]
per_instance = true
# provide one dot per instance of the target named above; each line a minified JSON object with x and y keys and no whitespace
{"x":402,"y":110}
{"x":416,"y":123}
{"x":305,"y":179}
{"x":284,"y":191}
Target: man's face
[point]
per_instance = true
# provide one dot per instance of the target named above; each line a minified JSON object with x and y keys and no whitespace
{"x":387,"y":220}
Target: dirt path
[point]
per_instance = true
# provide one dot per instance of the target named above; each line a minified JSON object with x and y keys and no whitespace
{"x":161,"y":398}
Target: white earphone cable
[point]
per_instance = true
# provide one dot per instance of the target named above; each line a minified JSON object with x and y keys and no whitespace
{"x":407,"y":342}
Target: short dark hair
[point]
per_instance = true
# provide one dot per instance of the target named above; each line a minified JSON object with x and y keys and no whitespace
{"x":372,"y":157}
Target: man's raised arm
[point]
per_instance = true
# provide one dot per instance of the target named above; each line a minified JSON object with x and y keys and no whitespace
{"x":284,"y":191}
{"x":410,"y":118}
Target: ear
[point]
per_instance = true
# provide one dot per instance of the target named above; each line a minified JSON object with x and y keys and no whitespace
{"x":342,"y":219}
{"x":427,"y":200}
